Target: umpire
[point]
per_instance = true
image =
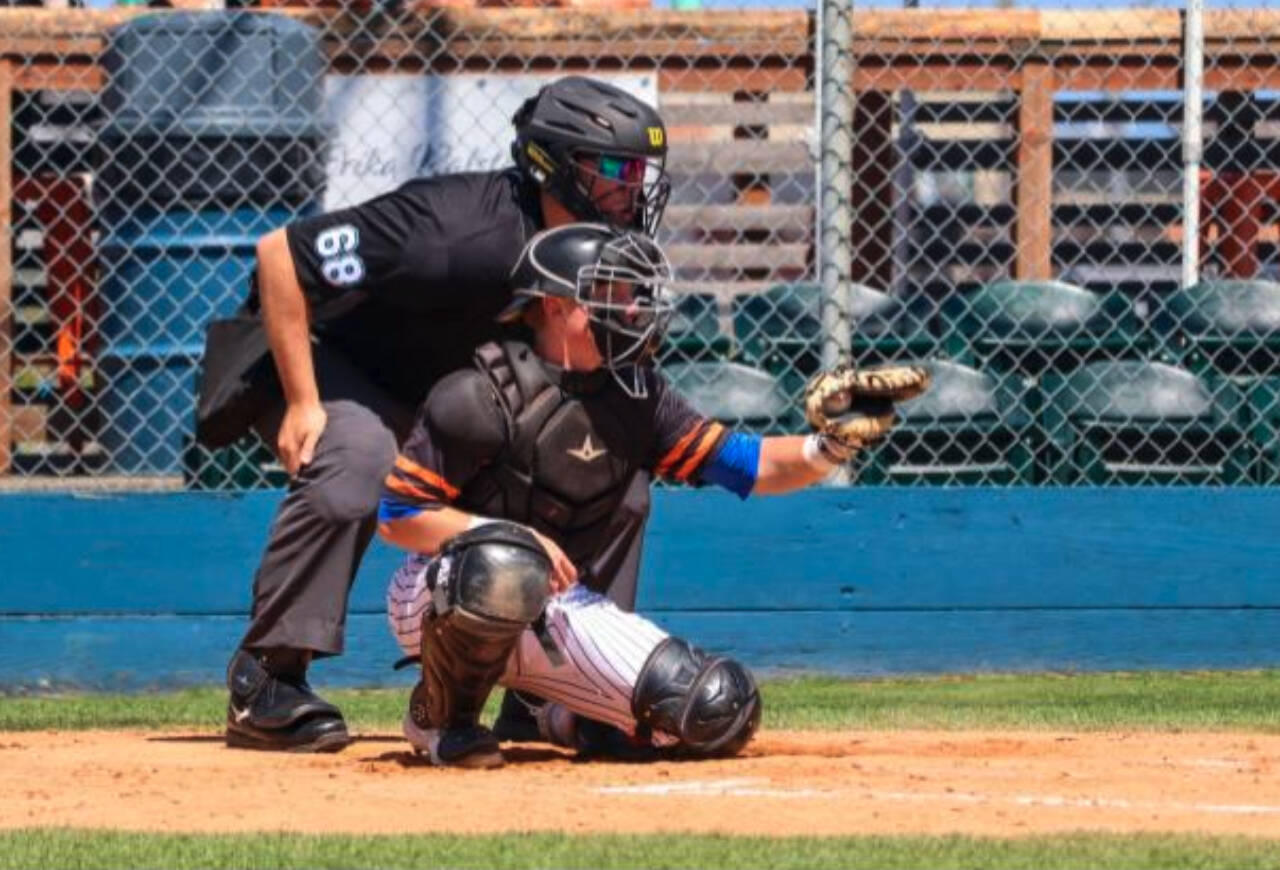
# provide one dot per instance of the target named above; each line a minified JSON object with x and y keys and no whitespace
{"x":363,"y":309}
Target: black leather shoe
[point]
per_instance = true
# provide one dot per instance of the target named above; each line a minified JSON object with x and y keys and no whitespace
{"x":278,"y":714}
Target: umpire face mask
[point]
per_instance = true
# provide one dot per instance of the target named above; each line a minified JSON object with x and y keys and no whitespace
{"x":625,"y":296}
{"x":628,"y":192}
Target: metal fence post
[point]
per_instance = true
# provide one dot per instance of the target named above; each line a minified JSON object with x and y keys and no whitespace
{"x":835,"y":144}
{"x":1192,"y":139}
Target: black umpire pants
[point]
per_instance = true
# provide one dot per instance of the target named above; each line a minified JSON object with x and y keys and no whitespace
{"x":329,"y":513}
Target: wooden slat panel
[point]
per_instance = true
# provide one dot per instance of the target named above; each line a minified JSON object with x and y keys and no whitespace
{"x":1107,"y":25}
{"x":776,"y":28}
{"x":1241,"y":24}
{"x":631,"y":50}
{"x":938,"y":25}
{"x":913,"y":74}
{"x":923,"y":25}
{"x":979,"y":46}
{"x":1034,"y":194}
{"x":992,"y":580}
{"x":976,"y":548}
{"x":751,"y":75}
{"x":739,"y":217}
{"x":119,"y":654}
{"x":928,"y":48}
{"x":739,"y":155}
{"x":1102,"y":197}
{"x":960,"y":131}
{"x":1263,"y":49}
{"x":635,"y":33}
{"x":965,"y":641}
{"x":775,"y":257}
{"x":32,"y":43}
{"x":928,"y":52}
{"x":1236,"y":77}
{"x":63,"y":22}
{"x":64,"y":76}
{"x":1000,"y":548}
{"x":30,"y":423}
{"x":583,"y":33}
{"x":1120,"y":74}
{"x":1070,"y":73}
{"x":95,"y":535}
{"x":676,"y":113}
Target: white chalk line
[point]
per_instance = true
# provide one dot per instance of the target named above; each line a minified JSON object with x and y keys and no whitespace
{"x":761,"y":787}
{"x":718,"y":788}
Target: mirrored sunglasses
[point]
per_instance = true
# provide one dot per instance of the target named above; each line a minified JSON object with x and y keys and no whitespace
{"x":628,"y":169}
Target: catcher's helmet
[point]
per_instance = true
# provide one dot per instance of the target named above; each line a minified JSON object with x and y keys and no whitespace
{"x":576,"y":131}
{"x":620,"y":278}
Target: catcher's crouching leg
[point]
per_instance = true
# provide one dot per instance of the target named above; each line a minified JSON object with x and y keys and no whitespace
{"x":711,"y":703}
{"x":487,"y":586}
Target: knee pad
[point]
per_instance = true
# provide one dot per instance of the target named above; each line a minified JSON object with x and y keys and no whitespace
{"x":488,"y":585}
{"x":710,"y":703}
{"x":498,"y":571}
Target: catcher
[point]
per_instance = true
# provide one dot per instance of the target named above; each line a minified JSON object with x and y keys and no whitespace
{"x":510,"y":490}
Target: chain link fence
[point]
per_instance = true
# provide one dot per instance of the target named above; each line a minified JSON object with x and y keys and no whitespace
{"x":1010,"y":206}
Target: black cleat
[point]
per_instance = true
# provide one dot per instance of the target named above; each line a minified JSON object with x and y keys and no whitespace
{"x":517,"y":722}
{"x":526,"y":718}
{"x":462,"y":744}
{"x":599,"y":740}
{"x":277,"y":714}
{"x":470,"y":746}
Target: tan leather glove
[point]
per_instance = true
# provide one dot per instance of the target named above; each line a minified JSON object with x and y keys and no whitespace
{"x":853,"y":408}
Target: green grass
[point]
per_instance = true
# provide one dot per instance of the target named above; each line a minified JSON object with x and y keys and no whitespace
{"x":1162,"y":700}
{"x":77,"y":849}
{"x":1237,"y":700}
{"x":1220,"y":700}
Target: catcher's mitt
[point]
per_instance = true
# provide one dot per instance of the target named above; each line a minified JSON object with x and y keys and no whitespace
{"x":854,"y":407}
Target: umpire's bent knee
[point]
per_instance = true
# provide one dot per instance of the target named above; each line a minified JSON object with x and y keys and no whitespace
{"x":354,"y":456}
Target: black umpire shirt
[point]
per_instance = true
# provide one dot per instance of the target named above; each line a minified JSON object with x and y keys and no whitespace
{"x":419,"y":274}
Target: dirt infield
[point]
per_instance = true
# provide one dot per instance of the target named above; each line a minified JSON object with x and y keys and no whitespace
{"x":788,"y":783}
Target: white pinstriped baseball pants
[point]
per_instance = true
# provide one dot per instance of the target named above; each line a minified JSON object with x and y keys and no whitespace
{"x":604,"y":648}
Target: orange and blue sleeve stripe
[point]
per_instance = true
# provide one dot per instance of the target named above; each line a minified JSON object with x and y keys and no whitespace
{"x":410,"y":489}
{"x":690,"y":453}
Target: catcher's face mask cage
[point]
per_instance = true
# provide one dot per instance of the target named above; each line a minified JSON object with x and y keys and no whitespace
{"x":626,"y":298}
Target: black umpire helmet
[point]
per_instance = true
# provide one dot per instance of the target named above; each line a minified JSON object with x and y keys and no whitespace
{"x":620,"y":278}
{"x":577,"y":128}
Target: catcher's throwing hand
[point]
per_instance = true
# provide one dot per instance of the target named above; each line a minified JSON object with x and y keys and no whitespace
{"x":853,"y":408}
{"x":563,"y":572}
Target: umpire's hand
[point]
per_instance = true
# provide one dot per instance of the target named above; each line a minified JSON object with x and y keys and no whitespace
{"x":300,"y":431}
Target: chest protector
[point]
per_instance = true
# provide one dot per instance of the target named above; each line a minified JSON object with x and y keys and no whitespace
{"x":572,"y":451}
